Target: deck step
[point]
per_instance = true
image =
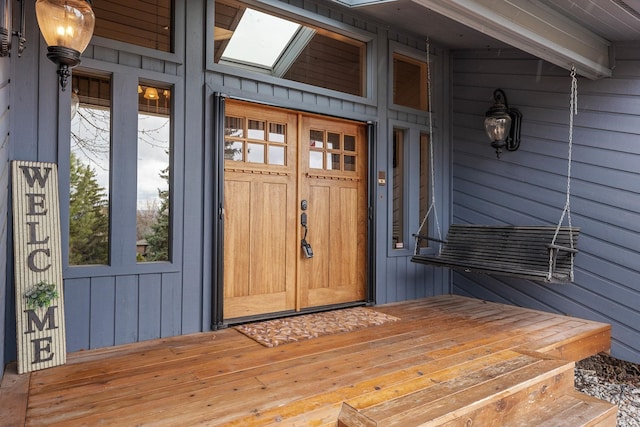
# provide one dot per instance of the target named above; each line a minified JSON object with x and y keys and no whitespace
{"x":574,"y":409}
{"x":539,"y":392}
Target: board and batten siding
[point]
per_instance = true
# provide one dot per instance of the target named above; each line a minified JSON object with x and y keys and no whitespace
{"x":5,"y":216}
{"x":127,"y":302}
{"x":396,"y":277}
{"x":529,"y":186}
{"x":108,"y":311}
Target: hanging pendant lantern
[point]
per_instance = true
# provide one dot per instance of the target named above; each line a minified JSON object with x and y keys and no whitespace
{"x":151,"y":93}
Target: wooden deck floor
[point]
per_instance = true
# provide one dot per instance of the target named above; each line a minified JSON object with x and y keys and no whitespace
{"x":225,"y":378}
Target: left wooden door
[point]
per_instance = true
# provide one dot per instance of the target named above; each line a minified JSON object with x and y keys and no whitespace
{"x":260,"y":199}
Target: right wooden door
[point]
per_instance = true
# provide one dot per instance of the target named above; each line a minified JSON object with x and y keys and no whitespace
{"x":333,"y":181}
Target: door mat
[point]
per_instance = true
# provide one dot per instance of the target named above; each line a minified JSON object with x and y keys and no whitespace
{"x":275,"y":332}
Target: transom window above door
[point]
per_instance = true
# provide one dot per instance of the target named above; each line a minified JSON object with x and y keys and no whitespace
{"x":260,"y":41}
{"x":146,"y":23}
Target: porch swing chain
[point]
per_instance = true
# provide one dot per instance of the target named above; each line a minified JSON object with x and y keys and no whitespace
{"x":573,"y":110}
{"x":432,"y":205}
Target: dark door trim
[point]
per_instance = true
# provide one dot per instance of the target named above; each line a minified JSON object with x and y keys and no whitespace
{"x":371,"y":223}
{"x":217,"y":261}
{"x":217,"y":256}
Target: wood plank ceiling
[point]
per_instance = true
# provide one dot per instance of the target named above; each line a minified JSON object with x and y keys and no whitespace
{"x":566,"y":33}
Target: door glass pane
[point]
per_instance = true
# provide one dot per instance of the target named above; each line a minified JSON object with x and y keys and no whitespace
{"x":277,"y":132}
{"x":333,"y":161}
{"x":315,"y":160}
{"x":276,"y":155}
{"x":316,"y":138}
{"x":255,"y":153}
{"x":349,"y":143}
{"x":90,"y":168}
{"x":333,"y":141}
{"x":233,"y":150}
{"x":256,"y":130}
{"x":234,"y":126}
{"x":350,"y":163}
{"x":154,"y":173}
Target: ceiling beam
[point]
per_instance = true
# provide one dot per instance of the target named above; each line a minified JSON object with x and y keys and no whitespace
{"x":533,"y":28}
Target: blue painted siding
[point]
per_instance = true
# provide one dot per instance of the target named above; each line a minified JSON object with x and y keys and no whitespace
{"x":5,"y":217}
{"x":128,"y":302}
{"x":109,"y":306}
{"x":528,"y":186}
{"x":107,"y":311}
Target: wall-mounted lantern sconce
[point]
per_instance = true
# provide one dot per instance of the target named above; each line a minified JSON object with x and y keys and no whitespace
{"x":67,"y":27}
{"x":502,"y":124}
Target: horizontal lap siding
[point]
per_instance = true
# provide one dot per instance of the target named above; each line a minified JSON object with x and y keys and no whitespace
{"x":528,"y":186}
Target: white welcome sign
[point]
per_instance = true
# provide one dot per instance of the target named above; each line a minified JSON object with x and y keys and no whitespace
{"x":38,"y":266}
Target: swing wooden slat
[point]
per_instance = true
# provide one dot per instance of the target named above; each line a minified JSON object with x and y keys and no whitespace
{"x":516,"y":251}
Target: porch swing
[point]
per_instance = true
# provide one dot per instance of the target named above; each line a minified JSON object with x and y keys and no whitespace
{"x":539,"y":253}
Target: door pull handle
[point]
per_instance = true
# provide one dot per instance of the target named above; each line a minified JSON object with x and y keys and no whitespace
{"x":306,"y":247}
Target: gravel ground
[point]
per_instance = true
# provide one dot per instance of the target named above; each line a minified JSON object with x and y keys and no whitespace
{"x":613,"y":380}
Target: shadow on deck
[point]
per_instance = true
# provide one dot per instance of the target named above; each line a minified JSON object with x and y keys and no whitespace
{"x":450,"y":360}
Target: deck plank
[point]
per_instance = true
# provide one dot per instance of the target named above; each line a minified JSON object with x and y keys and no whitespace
{"x":226,"y":378}
{"x":14,"y":393}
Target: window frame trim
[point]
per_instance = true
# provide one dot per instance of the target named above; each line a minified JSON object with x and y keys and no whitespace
{"x":123,"y":80}
{"x":303,"y":17}
{"x":177,"y":54}
{"x":415,"y":54}
{"x":411,"y":193}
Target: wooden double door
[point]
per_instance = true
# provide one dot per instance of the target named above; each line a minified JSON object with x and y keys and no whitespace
{"x":291,"y":177}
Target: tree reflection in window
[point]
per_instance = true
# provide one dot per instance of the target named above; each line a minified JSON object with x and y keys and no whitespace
{"x":154,"y":173}
{"x":90,"y":150}
{"x":90,"y":171}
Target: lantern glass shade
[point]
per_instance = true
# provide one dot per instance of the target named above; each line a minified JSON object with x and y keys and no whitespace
{"x":497,"y":127}
{"x":66,"y":23}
